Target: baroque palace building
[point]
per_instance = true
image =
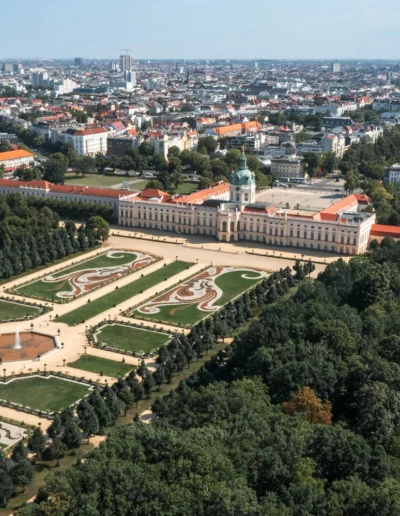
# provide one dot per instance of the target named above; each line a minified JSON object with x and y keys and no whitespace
{"x":228,"y":212}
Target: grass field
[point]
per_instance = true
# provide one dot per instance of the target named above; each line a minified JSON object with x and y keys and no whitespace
{"x":85,"y":312}
{"x":139,"y":185}
{"x":10,"y":310}
{"x":127,"y":338}
{"x":99,"y":365}
{"x":232,"y":284}
{"x":49,"y":290}
{"x":98,"y":180}
{"x":48,"y":394}
{"x":187,"y":188}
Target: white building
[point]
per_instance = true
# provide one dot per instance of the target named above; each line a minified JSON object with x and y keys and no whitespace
{"x":394,"y":173}
{"x":86,"y":142}
{"x":287,"y":167}
{"x":63,"y":86}
{"x":229,"y":213}
{"x":12,"y":160}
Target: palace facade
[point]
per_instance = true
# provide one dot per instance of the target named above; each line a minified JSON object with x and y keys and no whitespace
{"x":229,"y":213}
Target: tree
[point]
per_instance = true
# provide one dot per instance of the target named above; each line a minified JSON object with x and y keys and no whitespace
{"x":37,"y":442}
{"x":22,"y":473}
{"x":159,"y":376}
{"x":148,"y":384}
{"x":315,"y":410}
{"x":232,"y":159}
{"x":352,"y":182}
{"x":154,"y":183}
{"x":85,"y":165}
{"x":299,"y":269}
{"x":312,"y":162}
{"x":55,"y":429}
{"x":98,"y":228}
{"x":71,"y":435}
{"x":6,"y":486}
{"x":88,"y":420}
{"x":329,"y":162}
{"x":57,"y":450}
{"x":174,"y":152}
{"x":209,"y":143}
{"x":253,"y":163}
{"x":20,"y":452}
{"x":55,"y":170}
{"x":302,"y":136}
{"x":204,"y":183}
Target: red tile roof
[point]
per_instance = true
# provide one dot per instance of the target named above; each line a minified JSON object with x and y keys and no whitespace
{"x":385,"y":231}
{"x":85,"y":191}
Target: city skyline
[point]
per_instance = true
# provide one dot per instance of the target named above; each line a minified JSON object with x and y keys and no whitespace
{"x":164,"y":31}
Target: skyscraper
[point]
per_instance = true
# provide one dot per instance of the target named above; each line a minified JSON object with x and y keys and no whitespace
{"x":78,"y":61}
{"x":336,"y":67}
{"x":125,"y":63}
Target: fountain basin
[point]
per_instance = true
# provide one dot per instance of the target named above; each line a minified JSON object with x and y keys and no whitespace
{"x":32,"y":345}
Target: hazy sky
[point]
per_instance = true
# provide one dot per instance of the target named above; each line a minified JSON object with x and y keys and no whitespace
{"x":205,"y":29}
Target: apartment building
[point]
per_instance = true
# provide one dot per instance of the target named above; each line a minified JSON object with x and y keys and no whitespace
{"x":287,"y":167}
{"x":394,"y":173}
{"x":86,"y":142}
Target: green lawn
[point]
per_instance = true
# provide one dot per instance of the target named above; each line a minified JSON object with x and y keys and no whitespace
{"x":187,"y":188}
{"x":101,"y":365}
{"x":10,"y":310}
{"x":44,"y":290}
{"x":98,"y":180}
{"x":139,"y":185}
{"x":232,"y":284}
{"x":48,"y":394}
{"x":89,"y":310}
{"x":127,"y":338}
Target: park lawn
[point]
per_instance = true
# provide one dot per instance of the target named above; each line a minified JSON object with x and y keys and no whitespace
{"x":44,"y":290}
{"x":232,"y":284}
{"x":96,"y":180}
{"x":104,"y":303}
{"x":139,"y":185}
{"x":187,"y":188}
{"x":49,"y":394}
{"x":101,"y":366}
{"x":10,"y":310}
{"x":137,"y":340}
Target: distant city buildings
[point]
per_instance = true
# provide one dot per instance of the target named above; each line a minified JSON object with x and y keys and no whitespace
{"x":125,"y":63}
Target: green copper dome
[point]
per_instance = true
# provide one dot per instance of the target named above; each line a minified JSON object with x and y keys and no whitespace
{"x":242,"y":176}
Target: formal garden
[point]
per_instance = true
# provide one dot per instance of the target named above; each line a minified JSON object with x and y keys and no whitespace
{"x":18,"y":311}
{"x":44,"y":393}
{"x":119,"y":295}
{"x":122,"y":337}
{"x":196,"y":298}
{"x":101,"y":366}
{"x":67,"y":284}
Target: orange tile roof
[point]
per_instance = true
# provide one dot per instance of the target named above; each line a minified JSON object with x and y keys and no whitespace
{"x":385,"y":231}
{"x":342,"y":205}
{"x":152,"y":193}
{"x":203,"y":195}
{"x":15,"y":154}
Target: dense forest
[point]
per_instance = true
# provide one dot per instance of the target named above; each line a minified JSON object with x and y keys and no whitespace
{"x":299,"y":416}
{"x":31,"y":236}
